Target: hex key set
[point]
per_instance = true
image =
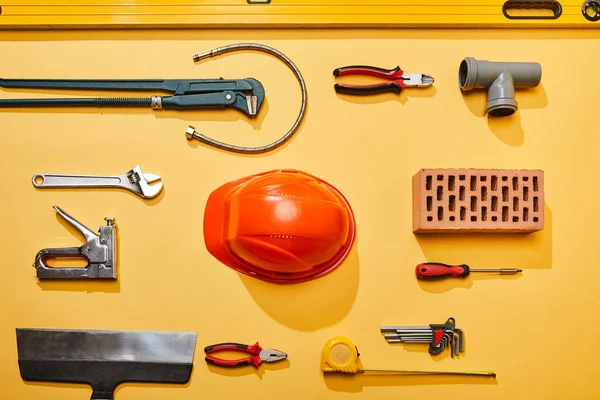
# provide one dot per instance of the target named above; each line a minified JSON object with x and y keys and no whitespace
{"x":438,"y":336}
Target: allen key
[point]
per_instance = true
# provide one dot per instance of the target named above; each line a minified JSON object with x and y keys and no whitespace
{"x":439,"y":336}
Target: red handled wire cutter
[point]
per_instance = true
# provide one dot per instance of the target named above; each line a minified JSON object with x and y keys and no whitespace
{"x":397,"y":80}
{"x":258,"y":355}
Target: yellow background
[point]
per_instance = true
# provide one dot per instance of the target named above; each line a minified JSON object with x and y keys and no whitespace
{"x":538,"y":332}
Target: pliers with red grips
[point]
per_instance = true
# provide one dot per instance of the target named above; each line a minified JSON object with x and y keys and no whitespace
{"x":397,"y":80}
{"x":258,"y":355}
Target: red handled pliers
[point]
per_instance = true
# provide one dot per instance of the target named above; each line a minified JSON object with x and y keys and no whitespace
{"x":258,"y":355}
{"x":398,"y":80}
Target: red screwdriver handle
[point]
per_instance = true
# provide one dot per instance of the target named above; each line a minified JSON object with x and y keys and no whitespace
{"x":434,"y":270}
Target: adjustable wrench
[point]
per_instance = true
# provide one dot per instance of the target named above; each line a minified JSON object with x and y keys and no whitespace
{"x":147,"y":186}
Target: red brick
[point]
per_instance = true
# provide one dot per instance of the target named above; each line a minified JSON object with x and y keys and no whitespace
{"x":478,"y":200}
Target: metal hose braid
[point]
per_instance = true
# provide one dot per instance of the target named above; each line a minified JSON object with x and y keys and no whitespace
{"x":271,"y":146}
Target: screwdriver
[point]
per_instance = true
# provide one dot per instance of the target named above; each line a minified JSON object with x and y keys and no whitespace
{"x":433,"y":270}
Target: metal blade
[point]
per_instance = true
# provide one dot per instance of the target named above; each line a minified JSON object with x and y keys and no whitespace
{"x":94,"y":345}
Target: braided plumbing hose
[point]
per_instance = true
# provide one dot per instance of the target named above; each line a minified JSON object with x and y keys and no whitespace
{"x":191,"y":132}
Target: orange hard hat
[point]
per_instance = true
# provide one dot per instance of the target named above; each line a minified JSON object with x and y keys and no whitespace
{"x":279,"y":226}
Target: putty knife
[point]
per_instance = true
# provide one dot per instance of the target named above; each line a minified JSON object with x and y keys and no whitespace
{"x":105,"y":359}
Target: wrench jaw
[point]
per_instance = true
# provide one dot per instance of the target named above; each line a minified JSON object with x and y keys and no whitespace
{"x":255,"y":101}
{"x":249,"y":101}
{"x":146,"y":185}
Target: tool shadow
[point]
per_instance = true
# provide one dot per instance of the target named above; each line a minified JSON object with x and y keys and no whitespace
{"x":487,"y":250}
{"x":311,"y":305}
{"x":86,"y":389}
{"x":507,"y":129}
{"x":401,"y":98}
{"x":424,"y":349}
{"x":81,"y":285}
{"x":153,"y":386}
{"x":148,"y":202}
{"x":250,"y":370}
{"x":356,"y":383}
{"x":266,"y":34}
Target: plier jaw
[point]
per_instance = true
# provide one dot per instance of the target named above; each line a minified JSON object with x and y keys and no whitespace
{"x":258,"y":355}
{"x":272,"y":355}
{"x":397,"y":80}
{"x":417,"y":80}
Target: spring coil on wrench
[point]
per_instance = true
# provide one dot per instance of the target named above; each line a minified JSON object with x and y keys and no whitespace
{"x":271,"y":146}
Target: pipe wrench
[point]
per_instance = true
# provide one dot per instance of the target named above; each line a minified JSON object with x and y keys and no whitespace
{"x":246,"y":95}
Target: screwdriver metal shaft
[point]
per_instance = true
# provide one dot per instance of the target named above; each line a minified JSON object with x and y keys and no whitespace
{"x":501,"y":271}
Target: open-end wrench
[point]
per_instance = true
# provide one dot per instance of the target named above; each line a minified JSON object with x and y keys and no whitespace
{"x":145,"y":185}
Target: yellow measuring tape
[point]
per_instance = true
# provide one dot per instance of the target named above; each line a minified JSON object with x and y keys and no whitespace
{"x":114,"y":14}
{"x":341,"y":355}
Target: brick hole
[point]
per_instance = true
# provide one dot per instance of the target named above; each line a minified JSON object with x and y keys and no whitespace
{"x":451,"y":183}
{"x":461,"y":177}
{"x":428,"y":182}
{"x":452,"y":203}
{"x":440,"y":213}
{"x":452,"y":218}
{"x":535,"y":184}
{"x":535,"y":219}
{"x":463,"y":212}
{"x":504,"y":193}
{"x":483,"y":193}
{"x":429,"y":202}
{"x":473,"y":203}
{"x":525,"y":178}
{"x":525,"y":193}
{"x":525,"y":214}
{"x":505,"y":213}
{"x":494,"y":203}
{"x":494,"y":183}
{"x":494,"y":218}
{"x":483,"y":178}
{"x":430,"y":218}
{"x":535,"y":204}
{"x":515,"y":183}
{"x":440,"y":192}
{"x":505,"y":178}
{"x":440,"y":177}
{"x":461,"y":193}
{"x":515,"y":219}
{"x":473,"y":218}
{"x":515,"y":204}
{"x":484,"y":213}
{"x":473,"y":183}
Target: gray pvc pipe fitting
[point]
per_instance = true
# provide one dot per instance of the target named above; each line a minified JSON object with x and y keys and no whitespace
{"x":500,"y":79}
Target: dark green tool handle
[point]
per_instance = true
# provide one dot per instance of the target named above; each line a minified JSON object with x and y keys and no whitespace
{"x":92,"y":84}
{"x":189,"y":101}
{"x":81,"y":102}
